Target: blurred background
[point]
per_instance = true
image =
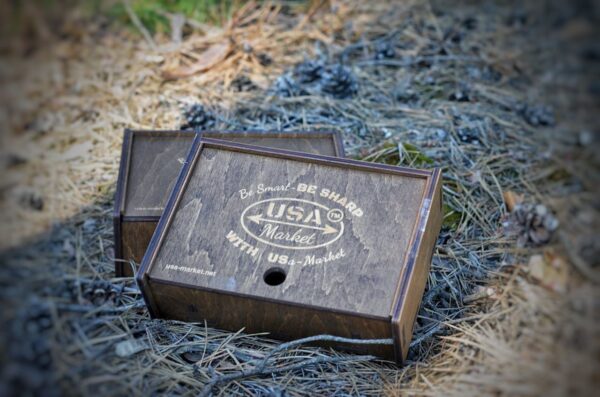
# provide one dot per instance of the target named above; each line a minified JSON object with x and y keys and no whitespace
{"x":503,"y":96}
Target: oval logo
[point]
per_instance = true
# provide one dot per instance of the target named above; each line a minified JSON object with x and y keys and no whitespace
{"x":293,"y":223}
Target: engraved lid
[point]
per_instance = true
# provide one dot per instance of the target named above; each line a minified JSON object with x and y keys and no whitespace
{"x":279,"y":226}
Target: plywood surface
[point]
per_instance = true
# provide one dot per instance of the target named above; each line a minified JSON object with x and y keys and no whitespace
{"x":154,"y":166}
{"x":340,"y":235}
{"x":280,"y":320}
{"x":157,"y":158}
{"x":135,"y":239}
{"x":318,"y":144}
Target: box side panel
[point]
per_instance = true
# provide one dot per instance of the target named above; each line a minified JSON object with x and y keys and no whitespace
{"x":136,"y":236}
{"x":119,"y":201}
{"x":410,"y":297}
{"x":118,"y":239}
{"x":282,"y":321}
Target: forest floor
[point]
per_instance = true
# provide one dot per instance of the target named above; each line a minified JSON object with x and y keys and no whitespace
{"x":503,"y":97}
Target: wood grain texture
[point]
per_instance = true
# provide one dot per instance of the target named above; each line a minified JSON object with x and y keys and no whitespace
{"x":414,"y":279}
{"x":157,"y":158}
{"x":136,"y":236}
{"x":119,"y":201}
{"x":362,"y":280}
{"x":208,"y":258}
{"x":151,"y":162}
{"x":155,"y":163}
{"x":282,"y":321}
{"x":319,"y":144}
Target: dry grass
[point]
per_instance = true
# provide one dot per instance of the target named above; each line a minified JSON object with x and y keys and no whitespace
{"x":64,"y":108}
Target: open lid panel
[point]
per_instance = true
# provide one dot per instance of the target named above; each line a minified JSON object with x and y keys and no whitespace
{"x":276,"y":225}
{"x":152,"y":160}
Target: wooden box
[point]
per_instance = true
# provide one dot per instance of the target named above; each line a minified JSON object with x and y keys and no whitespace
{"x":294,"y":244}
{"x":150,"y":164}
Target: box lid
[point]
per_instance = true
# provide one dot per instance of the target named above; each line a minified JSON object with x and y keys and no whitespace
{"x":156,"y":158}
{"x":289,"y":227}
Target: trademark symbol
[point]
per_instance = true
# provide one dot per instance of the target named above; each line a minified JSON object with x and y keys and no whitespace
{"x":335,"y":215}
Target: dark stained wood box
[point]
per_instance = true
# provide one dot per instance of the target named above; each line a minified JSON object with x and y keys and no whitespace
{"x":295,"y":245}
{"x":150,"y":164}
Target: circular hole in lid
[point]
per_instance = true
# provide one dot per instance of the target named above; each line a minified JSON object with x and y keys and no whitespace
{"x":274,"y":276}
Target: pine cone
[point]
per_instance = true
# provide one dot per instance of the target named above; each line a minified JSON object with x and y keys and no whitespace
{"x":308,"y":71}
{"x":99,"y":292}
{"x":197,"y":117}
{"x":339,"y":82}
{"x":468,"y":135}
{"x":242,"y":83}
{"x":264,"y":59}
{"x":533,"y":224}
{"x":161,"y":333}
{"x":537,"y":115}
{"x":385,"y":50}
{"x":462,"y":93}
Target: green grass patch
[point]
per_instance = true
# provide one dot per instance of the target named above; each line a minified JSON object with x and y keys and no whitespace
{"x":154,"y":14}
{"x":452,"y":217}
{"x":398,"y":153}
